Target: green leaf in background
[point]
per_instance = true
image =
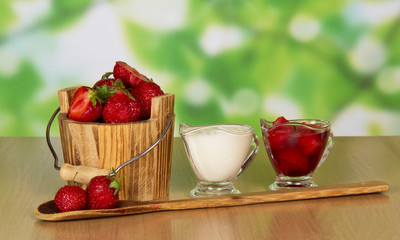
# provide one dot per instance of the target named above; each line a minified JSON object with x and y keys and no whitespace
{"x":165,"y":51}
{"x":7,"y":16}
{"x":17,"y":93}
{"x":64,"y":13}
{"x":314,"y":73}
{"x":228,"y":61}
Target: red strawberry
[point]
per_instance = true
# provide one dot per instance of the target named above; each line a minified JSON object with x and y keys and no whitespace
{"x":121,"y":108}
{"x":143,"y":94}
{"x":86,"y":106}
{"x":292,"y":163}
{"x":280,"y":120}
{"x":102,"y":193}
{"x":70,"y":198}
{"x":311,"y":141}
{"x":310,"y":144}
{"x":281,"y":137}
{"x":109,"y":82}
{"x":129,"y":75}
{"x":107,"y":87}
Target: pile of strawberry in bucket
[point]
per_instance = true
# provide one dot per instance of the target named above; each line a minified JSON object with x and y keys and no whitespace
{"x":124,"y":97}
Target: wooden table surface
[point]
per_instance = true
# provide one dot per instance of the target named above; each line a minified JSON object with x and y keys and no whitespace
{"x":28,"y":179}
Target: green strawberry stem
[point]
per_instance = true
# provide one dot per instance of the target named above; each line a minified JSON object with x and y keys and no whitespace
{"x":106,"y":75}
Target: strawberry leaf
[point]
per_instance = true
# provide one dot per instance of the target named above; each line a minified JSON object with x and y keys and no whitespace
{"x":104,"y":93}
{"x":119,"y":84}
{"x":93,"y":97}
{"x":129,"y":95}
{"x":116,"y":185}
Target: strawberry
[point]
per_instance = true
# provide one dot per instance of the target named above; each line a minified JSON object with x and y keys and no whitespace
{"x":107,"y":87}
{"x":292,"y":163}
{"x":109,"y":82}
{"x":281,"y":137}
{"x":121,"y":108}
{"x":311,"y":141}
{"x":143,"y":94}
{"x":103,"y":193}
{"x":280,"y":120}
{"x":310,"y":144}
{"x":129,"y":75}
{"x":70,"y":198}
{"x":86,"y":106}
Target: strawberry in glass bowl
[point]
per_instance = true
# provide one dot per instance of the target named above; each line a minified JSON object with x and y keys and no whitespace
{"x":296,"y":148}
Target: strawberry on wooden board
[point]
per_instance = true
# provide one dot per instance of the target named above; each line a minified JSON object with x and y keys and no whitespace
{"x":121,"y":108}
{"x":86,"y":106}
{"x":70,"y":198}
{"x":143,"y":94}
{"x":103,"y":193}
{"x":129,"y":75}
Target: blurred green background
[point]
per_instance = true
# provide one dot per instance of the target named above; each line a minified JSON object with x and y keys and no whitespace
{"x":227,"y":61}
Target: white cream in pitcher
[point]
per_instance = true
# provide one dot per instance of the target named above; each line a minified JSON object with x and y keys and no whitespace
{"x":218,"y":152}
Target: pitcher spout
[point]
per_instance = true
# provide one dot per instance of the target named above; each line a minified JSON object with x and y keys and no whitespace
{"x":265,"y":124}
{"x":184,"y":128}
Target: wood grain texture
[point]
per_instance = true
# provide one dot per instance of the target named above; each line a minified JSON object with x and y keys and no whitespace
{"x":48,"y":211}
{"x":28,"y":162}
{"x":107,"y":146}
{"x":65,"y":97}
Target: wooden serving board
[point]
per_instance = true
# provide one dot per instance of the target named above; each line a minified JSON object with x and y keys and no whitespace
{"x":48,"y":211}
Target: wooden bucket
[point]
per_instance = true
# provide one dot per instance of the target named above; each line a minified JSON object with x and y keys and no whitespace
{"x":107,"y":145}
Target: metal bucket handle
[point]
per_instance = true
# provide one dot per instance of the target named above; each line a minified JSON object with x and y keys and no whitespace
{"x":169,"y":116}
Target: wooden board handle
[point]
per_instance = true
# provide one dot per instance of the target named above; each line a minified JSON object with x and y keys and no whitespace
{"x":81,"y":174}
{"x":263,"y":197}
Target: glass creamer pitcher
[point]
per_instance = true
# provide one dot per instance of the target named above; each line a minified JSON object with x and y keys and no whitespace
{"x":296,"y":148}
{"x":218,"y":154}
